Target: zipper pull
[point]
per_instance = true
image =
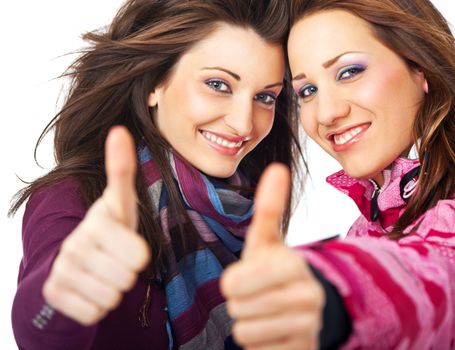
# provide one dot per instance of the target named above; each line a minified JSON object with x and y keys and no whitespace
{"x":374,"y":208}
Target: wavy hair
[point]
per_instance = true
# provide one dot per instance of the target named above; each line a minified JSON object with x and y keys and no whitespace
{"x":417,"y":32}
{"x":110,"y":83}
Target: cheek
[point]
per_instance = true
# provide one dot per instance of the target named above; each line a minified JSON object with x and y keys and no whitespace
{"x":380,"y":90}
{"x":391,"y":96}
{"x":309,"y":122}
{"x":187,"y":106}
{"x":263,"y":124}
{"x":373,"y":93}
{"x":267,"y":124}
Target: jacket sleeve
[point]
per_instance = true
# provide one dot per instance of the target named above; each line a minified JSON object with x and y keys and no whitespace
{"x":50,"y":216}
{"x":399,"y":294}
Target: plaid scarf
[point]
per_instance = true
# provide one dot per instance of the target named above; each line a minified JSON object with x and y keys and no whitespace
{"x":196,"y":309}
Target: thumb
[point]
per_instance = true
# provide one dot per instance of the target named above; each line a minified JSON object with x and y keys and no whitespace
{"x":120,"y":160}
{"x":270,"y":202}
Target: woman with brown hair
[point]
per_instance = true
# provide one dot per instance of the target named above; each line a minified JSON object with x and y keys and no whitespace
{"x":126,"y":256}
{"x":375,"y":80}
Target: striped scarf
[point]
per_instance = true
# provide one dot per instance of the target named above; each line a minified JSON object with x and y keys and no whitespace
{"x":196,"y":309}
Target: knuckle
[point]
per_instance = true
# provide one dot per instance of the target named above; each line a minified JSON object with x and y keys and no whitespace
{"x":239,"y":333}
{"x":92,"y":315}
{"x":227,"y":282}
{"x":108,"y":297}
{"x":143,"y":252}
{"x":61,"y":269}
{"x":51,"y":293}
{"x":318,"y":294}
{"x":302,"y":296}
{"x":128,"y":282}
{"x":231,"y":307}
{"x":71,"y":248}
{"x":115,"y":299}
{"x":301,"y":342}
{"x":112,"y":299}
{"x":302,"y":325}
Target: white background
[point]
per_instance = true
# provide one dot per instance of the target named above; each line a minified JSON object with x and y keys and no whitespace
{"x":35,"y":36}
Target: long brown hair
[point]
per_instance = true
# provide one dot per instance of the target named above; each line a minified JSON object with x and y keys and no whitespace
{"x":416,"y":31}
{"x":110,"y":83}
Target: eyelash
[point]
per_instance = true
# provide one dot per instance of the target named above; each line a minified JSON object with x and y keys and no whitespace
{"x":302,"y":92}
{"x":212,"y":82}
{"x":265,"y":98}
{"x":352,"y":70}
{"x":270,"y":98}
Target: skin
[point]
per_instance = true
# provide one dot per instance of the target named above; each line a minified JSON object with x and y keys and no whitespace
{"x":271,"y":293}
{"x":102,"y":257}
{"x":273,"y":297}
{"x":355,"y":82}
{"x":221,"y":92}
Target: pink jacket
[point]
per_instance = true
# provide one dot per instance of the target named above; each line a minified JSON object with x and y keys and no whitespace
{"x":399,"y":294}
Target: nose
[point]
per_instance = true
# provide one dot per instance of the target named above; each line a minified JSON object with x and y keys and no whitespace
{"x":331,"y":107}
{"x":240,"y":118}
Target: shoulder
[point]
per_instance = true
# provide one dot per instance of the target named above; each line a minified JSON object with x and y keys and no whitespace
{"x":59,"y":196}
{"x":60,"y":199}
{"x":439,"y":220}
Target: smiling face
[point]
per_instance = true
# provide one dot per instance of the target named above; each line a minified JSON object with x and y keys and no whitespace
{"x":219,"y":101}
{"x":358,"y":99}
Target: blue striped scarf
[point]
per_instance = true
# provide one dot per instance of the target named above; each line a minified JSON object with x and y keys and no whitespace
{"x":196,"y":308}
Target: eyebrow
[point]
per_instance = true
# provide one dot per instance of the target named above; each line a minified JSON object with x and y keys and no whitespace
{"x":299,"y":76}
{"x":273,"y":85}
{"x":237,"y":77}
{"x":326,"y":64}
{"x":333,"y":60}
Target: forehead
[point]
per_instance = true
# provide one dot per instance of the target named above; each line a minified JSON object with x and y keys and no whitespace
{"x":234,"y":47}
{"x":326,"y":34}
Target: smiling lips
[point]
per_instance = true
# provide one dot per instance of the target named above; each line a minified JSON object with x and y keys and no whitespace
{"x":343,"y":139}
{"x":229,"y":146}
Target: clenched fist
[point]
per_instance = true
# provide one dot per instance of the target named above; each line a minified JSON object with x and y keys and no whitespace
{"x":102,"y":257}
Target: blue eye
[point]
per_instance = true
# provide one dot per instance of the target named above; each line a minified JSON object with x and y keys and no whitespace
{"x":218,"y":85}
{"x":268,"y":99}
{"x":307,"y":91}
{"x":350,"y":72}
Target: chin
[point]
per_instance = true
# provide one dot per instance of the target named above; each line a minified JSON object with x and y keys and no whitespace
{"x":218,"y":169}
{"x":362,"y":174}
{"x":220,"y":173}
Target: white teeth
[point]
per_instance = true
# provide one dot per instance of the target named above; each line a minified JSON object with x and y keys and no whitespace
{"x":346,"y":136}
{"x":220,"y":141}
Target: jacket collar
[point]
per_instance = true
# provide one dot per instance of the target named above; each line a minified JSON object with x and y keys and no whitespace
{"x":392,"y":196}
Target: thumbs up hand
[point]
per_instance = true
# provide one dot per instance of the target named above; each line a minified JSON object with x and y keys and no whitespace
{"x":102,"y":257}
{"x":271,"y":293}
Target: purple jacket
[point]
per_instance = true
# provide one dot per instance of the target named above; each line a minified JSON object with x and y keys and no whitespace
{"x":50,"y":215}
{"x":399,"y":294}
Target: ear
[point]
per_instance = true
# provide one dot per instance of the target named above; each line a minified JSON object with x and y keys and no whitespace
{"x":152,"y":99}
{"x":425,"y":85}
{"x":424,"y":82}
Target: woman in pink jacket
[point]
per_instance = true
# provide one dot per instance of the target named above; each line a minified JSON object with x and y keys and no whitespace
{"x":375,"y":81}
